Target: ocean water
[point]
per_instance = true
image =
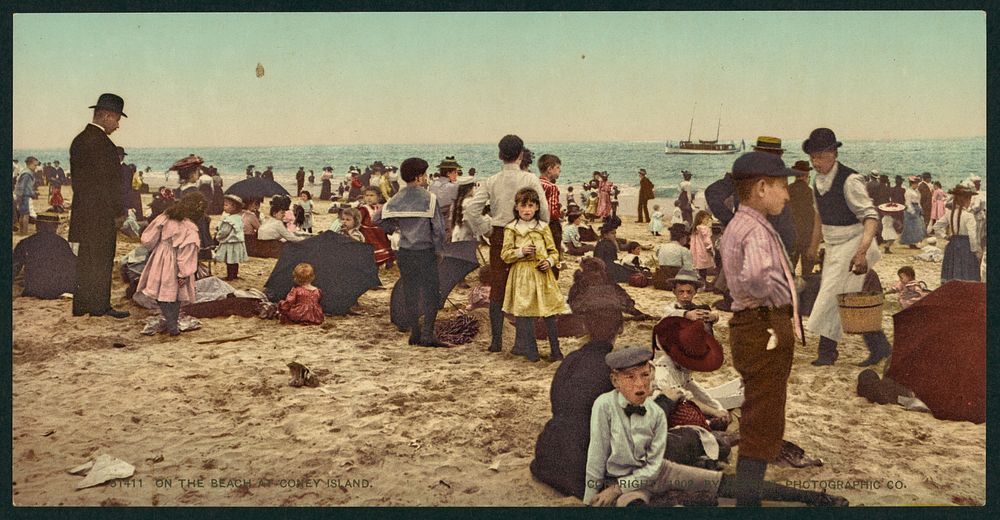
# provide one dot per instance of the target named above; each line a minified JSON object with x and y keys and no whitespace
{"x":948,"y":160}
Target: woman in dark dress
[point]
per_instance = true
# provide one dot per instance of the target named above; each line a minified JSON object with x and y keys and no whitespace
{"x":607,"y":250}
{"x":325,"y":191}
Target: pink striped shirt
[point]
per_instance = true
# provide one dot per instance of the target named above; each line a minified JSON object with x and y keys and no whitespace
{"x":751,"y":257}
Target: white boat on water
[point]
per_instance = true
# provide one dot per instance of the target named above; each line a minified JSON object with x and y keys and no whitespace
{"x":703,"y":147}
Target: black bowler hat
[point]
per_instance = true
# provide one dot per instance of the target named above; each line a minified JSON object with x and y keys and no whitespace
{"x":111,"y":102}
{"x":761,"y":164}
{"x":819,"y":140}
{"x":120,"y":150}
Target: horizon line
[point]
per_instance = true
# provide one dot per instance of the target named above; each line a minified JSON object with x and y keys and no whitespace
{"x":568,"y":141}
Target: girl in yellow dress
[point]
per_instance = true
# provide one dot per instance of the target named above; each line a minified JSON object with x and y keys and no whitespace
{"x":532,"y":290}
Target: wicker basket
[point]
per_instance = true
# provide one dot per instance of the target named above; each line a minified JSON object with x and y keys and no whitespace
{"x":861,"y":312}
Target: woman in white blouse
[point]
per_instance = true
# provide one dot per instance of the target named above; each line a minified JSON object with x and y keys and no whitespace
{"x":963,"y":253}
{"x":273,"y":228}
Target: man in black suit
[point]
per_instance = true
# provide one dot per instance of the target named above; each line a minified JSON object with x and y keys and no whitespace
{"x":97,"y":207}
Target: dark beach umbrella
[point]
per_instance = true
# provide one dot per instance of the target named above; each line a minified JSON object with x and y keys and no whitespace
{"x":939,"y":351}
{"x":458,"y":259}
{"x":256,"y":188}
{"x":345,"y":269}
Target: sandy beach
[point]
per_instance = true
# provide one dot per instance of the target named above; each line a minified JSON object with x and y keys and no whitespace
{"x":206,"y":421}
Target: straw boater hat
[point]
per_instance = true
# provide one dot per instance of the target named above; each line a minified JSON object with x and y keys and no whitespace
{"x":468,"y":179}
{"x":235,"y":199}
{"x":47,"y":221}
{"x":686,"y":276}
{"x":891,"y":207}
{"x":688,"y":344}
{"x":913,"y":178}
{"x":767,"y":143}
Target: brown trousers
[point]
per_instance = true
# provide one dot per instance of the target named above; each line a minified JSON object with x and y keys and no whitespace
{"x":765,"y":377}
{"x":498,"y":268}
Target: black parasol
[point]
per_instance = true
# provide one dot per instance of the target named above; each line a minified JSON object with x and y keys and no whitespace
{"x":458,"y":259}
{"x":345,"y":269}
{"x":256,"y":188}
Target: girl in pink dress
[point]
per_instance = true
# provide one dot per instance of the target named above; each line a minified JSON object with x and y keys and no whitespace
{"x":604,"y":188}
{"x":172,"y":241}
{"x":302,"y":303}
{"x":938,"y":198}
{"x":702,"y":251}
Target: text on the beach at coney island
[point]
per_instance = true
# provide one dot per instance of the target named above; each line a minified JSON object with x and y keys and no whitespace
{"x":188,"y":483}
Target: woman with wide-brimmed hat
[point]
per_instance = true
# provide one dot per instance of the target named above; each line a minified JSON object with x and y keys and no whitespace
{"x":963,"y":252}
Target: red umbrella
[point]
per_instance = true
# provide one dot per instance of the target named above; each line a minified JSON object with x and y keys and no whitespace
{"x":939,"y":351}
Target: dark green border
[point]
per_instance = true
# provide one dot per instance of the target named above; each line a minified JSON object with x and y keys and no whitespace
{"x":993,"y":158}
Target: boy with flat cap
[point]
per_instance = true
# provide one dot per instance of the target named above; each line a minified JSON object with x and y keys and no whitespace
{"x":765,"y":318}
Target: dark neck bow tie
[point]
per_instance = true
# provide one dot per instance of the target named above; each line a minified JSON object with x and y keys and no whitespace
{"x":631,"y":409}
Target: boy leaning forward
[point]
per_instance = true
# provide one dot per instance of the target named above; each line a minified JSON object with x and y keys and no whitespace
{"x":765,"y":320}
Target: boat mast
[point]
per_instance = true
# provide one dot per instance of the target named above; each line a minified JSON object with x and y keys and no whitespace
{"x":720,"y":124}
{"x":692,"y":121}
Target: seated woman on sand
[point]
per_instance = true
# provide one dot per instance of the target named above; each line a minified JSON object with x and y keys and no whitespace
{"x":273,"y":227}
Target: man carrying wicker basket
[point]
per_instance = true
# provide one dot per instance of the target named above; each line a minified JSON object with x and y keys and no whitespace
{"x":849,"y":222}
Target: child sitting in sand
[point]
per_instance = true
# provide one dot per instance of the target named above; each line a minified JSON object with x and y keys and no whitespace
{"x":56,"y":202}
{"x":532,"y":289}
{"x":479,"y":297}
{"x":336,"y":224}
{"x":571,"y":234}
{"x":626,"y":463}
{"x":351,"y":224}
{"x":305,"y":202}
{"x":571,"y":200}
{"x":302,"y":303}
{"x":232,"y":243}
{"x":288,"y":217}
{"x":656,"y":223}
{"x":909,"y":288}
{"x":631,"y":258}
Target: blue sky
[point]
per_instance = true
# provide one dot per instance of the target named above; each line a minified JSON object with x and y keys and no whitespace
{"x":349,"y":78}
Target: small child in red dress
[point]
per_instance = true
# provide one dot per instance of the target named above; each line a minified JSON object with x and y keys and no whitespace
{"x":302,"y":303}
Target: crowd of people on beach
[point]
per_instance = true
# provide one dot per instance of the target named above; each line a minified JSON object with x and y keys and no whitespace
{"x":629,"y":424}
